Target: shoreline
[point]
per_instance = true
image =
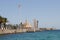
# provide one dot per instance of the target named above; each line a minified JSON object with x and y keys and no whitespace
{"x":5,"y":32}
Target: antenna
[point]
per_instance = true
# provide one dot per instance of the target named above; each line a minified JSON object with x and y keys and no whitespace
{"x":19,"y":6}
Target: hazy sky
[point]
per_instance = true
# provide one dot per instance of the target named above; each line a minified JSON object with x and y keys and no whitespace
{"x":46,"y":11}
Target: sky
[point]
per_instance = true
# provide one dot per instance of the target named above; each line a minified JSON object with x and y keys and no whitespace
{"x":47,"y":12}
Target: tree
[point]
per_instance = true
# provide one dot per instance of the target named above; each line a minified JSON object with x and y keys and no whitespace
{"x":4,"y":20}
{"x":0,"y":21}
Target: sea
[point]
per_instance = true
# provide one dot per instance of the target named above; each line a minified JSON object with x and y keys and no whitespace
{"x":43,"y":35}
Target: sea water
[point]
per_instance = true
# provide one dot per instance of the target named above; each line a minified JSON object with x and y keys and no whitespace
{"x":44,"y":35}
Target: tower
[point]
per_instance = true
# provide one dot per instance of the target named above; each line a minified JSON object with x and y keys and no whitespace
{"x":35,"y":24}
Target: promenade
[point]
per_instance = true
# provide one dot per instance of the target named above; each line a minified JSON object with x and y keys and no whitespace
{"x":7,"y":31}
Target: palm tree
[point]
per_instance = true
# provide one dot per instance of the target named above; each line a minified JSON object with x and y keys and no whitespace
{"x":0,"y":21}
{"x":4,"y":20}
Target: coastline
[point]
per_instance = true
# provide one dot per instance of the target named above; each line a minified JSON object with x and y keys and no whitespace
{"x":7,"y":31}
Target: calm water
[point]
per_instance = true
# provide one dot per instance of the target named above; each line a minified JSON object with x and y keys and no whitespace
{"x":46,"y":35}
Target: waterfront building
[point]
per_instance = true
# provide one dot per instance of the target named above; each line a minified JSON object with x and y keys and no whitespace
{"x":26,"y":26}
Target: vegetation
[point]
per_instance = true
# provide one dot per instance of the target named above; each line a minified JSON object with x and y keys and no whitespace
{"x":3,"y":21}
{"x":0,"y":21}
